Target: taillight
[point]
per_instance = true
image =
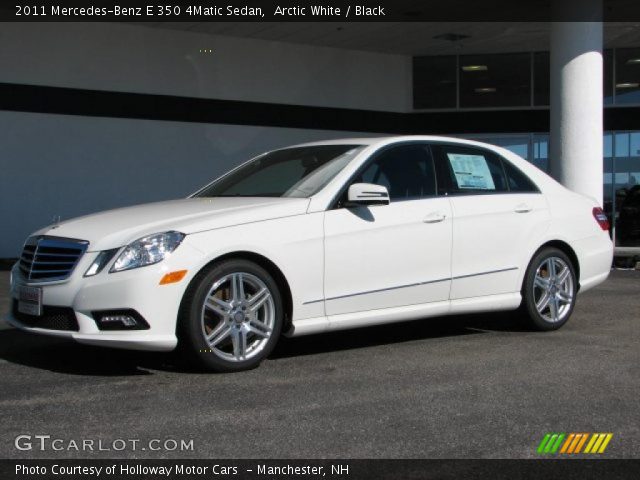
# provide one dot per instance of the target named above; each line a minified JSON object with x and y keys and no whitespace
{"x":601,"y":218}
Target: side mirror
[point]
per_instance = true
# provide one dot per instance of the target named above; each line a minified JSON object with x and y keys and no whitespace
{"x":367,"y":194}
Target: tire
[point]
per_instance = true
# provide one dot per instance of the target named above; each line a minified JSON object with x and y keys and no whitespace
{"x":548,"y":305}
{"x":230,"y":317}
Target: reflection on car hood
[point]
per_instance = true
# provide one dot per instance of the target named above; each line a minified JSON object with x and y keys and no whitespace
{"x":114,"y":228}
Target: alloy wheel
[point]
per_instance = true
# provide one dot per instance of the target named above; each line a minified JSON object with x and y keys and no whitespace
{"x":553,"y":289}
{"x":238,"y":316}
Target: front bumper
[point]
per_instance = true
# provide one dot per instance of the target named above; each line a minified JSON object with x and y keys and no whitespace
{"x":136,"y":289}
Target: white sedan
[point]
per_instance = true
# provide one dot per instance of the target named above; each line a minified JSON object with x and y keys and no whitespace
{"x":313,"y":238}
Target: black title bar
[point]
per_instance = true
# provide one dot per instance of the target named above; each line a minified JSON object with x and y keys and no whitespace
{"x":225,"y":469}
{"x":320,"y":11}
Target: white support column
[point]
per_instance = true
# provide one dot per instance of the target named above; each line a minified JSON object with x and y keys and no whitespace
{"x":577,"y":98}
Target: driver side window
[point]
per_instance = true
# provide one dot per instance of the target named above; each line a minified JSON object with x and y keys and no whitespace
{"x":407,"y":171}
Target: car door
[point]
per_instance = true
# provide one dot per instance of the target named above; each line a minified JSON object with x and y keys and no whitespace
{"x":497,"y":213}
{"x":390,"y":255}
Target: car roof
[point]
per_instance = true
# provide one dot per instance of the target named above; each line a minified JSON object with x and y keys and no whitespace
{"x":386,"y":140}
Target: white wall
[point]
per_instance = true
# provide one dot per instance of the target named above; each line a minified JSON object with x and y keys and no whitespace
{"x":72,"y":165}
{"x":132,"y":58}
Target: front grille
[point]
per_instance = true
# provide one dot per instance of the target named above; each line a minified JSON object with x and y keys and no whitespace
{"x":50,"y":258}
{"x":52,"y":318}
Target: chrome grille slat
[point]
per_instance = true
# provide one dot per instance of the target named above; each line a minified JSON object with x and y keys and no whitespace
{"x":66,"y":253}
{"x":40,"y":262}
{"x":47,"y":259}
{"x":49,"y":271}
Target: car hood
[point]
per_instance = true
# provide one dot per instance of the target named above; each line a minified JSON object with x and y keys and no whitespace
{"x":115,"y":228}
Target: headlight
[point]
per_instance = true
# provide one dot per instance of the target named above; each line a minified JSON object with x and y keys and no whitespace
{"x":147,"y":251}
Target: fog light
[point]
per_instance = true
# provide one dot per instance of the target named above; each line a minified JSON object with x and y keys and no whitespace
{"x":126,"y":320}
{"x":120,"y":320}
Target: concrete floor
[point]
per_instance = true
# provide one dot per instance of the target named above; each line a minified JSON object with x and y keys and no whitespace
{"x":459,"y":387}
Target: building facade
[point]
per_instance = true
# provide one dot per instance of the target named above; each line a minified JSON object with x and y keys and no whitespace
{"x":491,"y":83}
{"x":103,"y":115}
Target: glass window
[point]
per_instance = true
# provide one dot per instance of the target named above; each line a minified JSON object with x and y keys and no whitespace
{"x":627,"y":76}
{"x":627,"y":189}
{"x":607,"y":166}
{"x":622,"y":145}
{"x":473,"y":170}
{"x":541,"y":78}
{"x":500,"y":80}
{"x":291,"y":172}
{"x":515,"y":143}
{"x":434,"y":82}
{"x":541,"y":151}
{"x":620,"y":183}
{"x":622,"y":178}
{"x":608,"y":145}
{"x":607,"y":60}
{"x":407,"y":171}
{"x":504,"y":80}
{"x":518,"y":181}
{"x":634,"y":144}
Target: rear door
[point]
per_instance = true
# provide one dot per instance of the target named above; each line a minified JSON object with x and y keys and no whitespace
{"x":497,"y":211}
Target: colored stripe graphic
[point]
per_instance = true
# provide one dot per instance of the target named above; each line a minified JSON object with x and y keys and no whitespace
{"x":576,"y":439}
{"x":551,"y":442}
{"x":581,"y":443}
{"x":566,"y":445}
{"x":598,"y":442}
{"x":573,"y":443}
{"x":557,"y":444}
{"x":543,"y":443}
{"x":594,"y":437}
{"x":607,"y":439}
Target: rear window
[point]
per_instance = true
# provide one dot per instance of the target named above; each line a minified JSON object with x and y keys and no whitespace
{"x":518,"y":181}
{"x":475,"y":170}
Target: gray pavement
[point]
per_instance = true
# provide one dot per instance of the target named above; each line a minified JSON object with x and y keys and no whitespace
{"x":459,"y":387}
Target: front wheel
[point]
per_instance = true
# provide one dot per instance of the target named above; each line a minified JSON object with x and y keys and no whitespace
{"x":231,"y":317}
{"x":549,"y":290}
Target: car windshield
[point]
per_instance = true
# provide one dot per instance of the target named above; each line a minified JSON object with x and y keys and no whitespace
{"x":292,"y":172}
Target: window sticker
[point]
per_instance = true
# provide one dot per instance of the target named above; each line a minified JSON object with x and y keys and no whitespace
{"x":471,"y":171}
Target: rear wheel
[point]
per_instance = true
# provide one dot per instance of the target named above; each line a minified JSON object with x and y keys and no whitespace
{"x":549,"y":290}
{"x":231,"y":317}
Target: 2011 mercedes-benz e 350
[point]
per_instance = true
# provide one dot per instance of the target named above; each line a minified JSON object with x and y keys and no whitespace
{"x":312,"y":238}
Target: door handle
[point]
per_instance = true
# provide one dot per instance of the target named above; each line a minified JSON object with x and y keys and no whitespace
{"x":523,"y":208}
{"x":435,"y":217}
